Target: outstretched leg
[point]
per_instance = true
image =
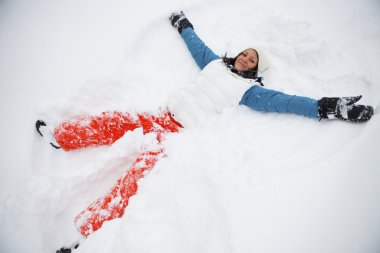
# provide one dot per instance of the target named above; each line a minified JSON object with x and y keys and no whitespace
{"x":100,"y":130}
{"x":108,"y":127}
{"x":113,"y":204}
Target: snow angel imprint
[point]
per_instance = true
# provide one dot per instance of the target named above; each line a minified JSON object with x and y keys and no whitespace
{"x":222,"y":82}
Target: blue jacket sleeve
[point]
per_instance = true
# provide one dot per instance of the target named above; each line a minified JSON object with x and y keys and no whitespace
{"x":202,"y":54}
{"x":262,"y":99}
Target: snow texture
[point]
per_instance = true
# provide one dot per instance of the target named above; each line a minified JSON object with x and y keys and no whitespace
{"x":246,"y":181}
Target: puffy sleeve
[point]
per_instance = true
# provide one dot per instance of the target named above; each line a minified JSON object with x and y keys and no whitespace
{"x":262,"y":99}
{"x":201,"y":53}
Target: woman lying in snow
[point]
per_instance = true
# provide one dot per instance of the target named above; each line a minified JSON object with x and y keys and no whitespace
{"x":223,"y":82}
{"x":226,"y":81}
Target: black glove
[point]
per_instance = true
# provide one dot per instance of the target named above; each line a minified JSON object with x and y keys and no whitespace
{"x":344,"y":108}
{"x":179,"y":21}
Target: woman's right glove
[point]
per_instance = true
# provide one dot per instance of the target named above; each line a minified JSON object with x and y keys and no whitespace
{"x":344,"y":108}
{"x":179,"y":21}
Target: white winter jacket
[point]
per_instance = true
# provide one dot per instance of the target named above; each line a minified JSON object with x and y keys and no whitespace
{"x":213,"y":90}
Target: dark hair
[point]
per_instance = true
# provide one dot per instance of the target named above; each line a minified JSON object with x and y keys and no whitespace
{"x":250,"y":74}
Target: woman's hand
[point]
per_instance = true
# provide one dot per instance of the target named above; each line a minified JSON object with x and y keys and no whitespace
{"x":344,"y":108}
{"x":179,"y":21}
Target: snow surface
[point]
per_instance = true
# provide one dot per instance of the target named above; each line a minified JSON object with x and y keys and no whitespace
{"x":244,"y":182}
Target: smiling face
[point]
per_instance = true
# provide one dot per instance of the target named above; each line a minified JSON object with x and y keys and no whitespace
{"x":247,"y":60}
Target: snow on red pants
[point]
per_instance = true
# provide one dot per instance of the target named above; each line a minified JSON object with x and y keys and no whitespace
{"x":105,"y":129}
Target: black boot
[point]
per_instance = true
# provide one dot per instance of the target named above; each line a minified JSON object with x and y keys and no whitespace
{"x":344,"y":108}
{"x":63,"y":250}
{"x":67,"y":250}
{"x":46,"y":135}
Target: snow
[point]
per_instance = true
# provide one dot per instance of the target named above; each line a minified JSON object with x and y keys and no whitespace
{"x":243,"y":182}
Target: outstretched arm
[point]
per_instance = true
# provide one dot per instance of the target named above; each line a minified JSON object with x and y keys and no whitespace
{"x":345,"y":108}
{"x":262,"y":99}
{"x":201,"y":53}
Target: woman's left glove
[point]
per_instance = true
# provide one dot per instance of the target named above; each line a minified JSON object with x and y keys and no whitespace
{"x":344,"y":108}
{"x":179,"y":21}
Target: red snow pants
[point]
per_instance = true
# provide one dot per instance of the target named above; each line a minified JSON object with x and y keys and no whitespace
{"x":105,"y":129}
